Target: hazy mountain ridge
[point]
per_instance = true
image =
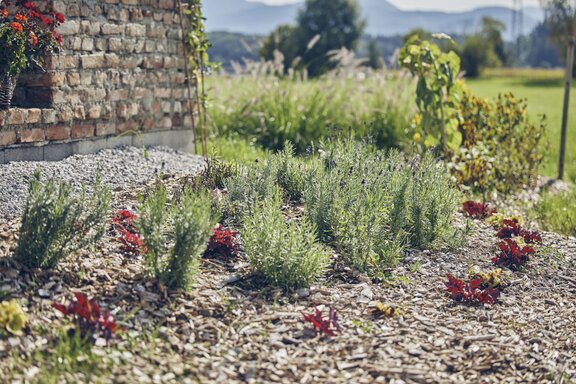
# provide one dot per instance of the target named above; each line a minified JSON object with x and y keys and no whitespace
{"x":383,"y":18}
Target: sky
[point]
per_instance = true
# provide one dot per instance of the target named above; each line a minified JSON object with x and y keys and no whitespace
{"x":442,"y":5}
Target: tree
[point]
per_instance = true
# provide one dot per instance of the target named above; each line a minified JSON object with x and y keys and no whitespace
{"x":476,"y":55}
{"x":561,"y":17}
{"x":484,"y":49}
{"x":540,"y":52}
{"x":282,"y":40}
{"x":375,"y":59}
{"x":491,"y":31}
{"x":324,"y":26}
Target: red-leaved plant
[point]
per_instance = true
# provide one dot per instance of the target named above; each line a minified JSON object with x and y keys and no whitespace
{"x":475,"y":291}
{"x":477,"y":210}
{"x":511,"y":229}
{"x":90,"y":321}
{"x":128,"y":236}
{"x":328,"y":327}
{"x":223,"y":243}
{"x":512,"y":255}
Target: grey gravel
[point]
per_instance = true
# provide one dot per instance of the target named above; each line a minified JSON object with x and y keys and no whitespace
{"x":120,"y":169}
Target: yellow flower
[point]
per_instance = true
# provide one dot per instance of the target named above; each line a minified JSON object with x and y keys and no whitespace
{"x":12,"y":317}
{"x":384,"y":310}
{"x":491,"y":279}
{"x":417,"y":137}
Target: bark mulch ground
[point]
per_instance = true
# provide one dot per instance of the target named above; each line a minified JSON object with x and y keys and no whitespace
{"x":233,"y":328}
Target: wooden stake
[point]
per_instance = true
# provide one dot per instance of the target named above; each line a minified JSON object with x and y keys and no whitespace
{"x":569,"y":66}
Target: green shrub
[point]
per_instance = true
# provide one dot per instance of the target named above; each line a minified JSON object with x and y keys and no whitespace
{"x":56,"y":224}
{"x":290,"y":172}
{"x":491,"y":146}
{"x":432,"y":204}
{"x":501,"y":148}
{"x":285,"y":253}
{"x":245,"y":190}
{"x":370,"y":205}
{"x":556,"y":212}
{"x":175,"y":234}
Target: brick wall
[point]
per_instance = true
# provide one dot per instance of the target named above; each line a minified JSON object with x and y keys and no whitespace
{"x":121,"y":68}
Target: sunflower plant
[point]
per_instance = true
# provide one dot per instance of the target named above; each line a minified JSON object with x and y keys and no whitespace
{"x":27,"y":34}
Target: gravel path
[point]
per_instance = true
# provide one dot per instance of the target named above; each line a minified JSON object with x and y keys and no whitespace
{"x":120,"y":168}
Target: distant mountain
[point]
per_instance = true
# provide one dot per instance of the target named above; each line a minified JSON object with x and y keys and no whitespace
{"x":383,"y":18}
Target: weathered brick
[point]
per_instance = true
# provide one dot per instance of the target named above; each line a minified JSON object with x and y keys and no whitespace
{"x":90,"y":27}
{"x":112,"y":29}
{"x":34,"y":115}
{"x":49,"y":116}
{"x":92,"y":61}
{"x":94,"y":112}
{"x":16,"y":116}
{"x":69,"y":27}
{"x":59,"y":132}
{"x":136,"y":30}
{"x":7,"y":138}
{"x":82,"y":131}
{"x":105,"y":129}
{"x":32,"y":135}
{"x":115,"y":44}
{"x":165,"y":123}
{"x":87,"y":44}
{"x":166,"y":4}
{"x":73,"y":78}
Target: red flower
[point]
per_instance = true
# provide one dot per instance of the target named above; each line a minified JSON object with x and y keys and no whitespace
{"x":16,"y":26}
{"x":4,"y":13}
{"x":57,"y":37}
{"x":21,"y":18}
{"x":33,"y":39}
{"x":60,"y":17}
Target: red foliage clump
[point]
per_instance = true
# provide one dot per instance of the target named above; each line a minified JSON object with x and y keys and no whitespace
{"x":511,"y":228}
{"x":478,"y":210}
{"x":328,"y":327}
{"x":89,"y":319}
{"x":128,"y":236}
{"x":512,"y":255}
{"x":223,"y":243}
{"x":474,"y":291}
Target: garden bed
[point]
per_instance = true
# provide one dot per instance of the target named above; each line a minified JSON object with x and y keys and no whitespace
{"x":233,"y":328}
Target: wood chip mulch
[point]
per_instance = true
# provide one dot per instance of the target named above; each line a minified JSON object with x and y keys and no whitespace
{"x":232,"y":328}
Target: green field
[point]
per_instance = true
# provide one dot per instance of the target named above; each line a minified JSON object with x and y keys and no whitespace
{"x":544,"y":91}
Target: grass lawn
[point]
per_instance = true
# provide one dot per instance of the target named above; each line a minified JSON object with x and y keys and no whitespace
{"x":544,"y":90}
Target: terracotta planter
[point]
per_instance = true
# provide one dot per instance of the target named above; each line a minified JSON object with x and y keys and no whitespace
{"x":7,"y":85}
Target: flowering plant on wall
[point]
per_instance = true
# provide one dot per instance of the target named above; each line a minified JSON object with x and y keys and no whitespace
{"x":27,"y":34}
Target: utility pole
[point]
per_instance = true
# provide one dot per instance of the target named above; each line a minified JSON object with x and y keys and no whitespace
{"x":517,"y":27}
